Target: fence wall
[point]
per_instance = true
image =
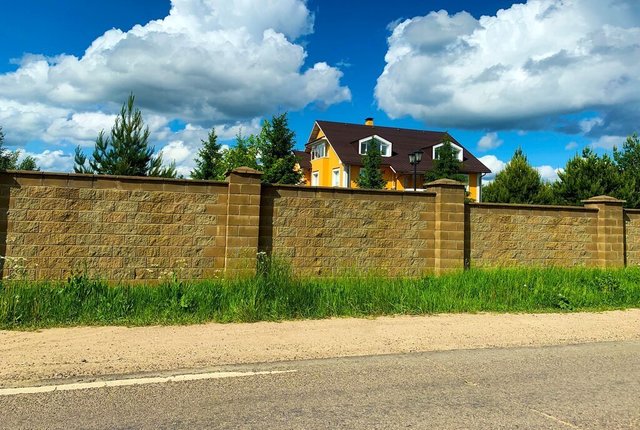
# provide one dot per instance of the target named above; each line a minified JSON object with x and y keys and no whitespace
{"x":140,"y":229}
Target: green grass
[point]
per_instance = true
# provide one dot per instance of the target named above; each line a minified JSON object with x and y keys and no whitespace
{"x":279,"y":296}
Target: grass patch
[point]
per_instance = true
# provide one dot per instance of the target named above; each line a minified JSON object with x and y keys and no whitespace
{"x":276,"y":295}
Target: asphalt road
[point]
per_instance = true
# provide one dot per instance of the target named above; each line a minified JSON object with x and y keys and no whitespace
{"x":587,"y":386}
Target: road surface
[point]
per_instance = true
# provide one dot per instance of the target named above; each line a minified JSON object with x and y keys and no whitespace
{"x":586,"y":386}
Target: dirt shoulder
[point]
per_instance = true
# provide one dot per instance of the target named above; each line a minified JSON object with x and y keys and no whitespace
{"x":86,"y":352}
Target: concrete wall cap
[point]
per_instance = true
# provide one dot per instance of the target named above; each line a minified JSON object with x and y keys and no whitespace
{"x":603,"y":199}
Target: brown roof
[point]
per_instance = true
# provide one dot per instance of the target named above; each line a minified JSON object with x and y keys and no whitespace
{"x":304,"y":159}
{"x":344,"y":139}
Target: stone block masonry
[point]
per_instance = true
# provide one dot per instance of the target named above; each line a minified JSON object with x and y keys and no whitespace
{"x":142,"y":229}
{"x":118,"y":228}
{"x":331,"y":231}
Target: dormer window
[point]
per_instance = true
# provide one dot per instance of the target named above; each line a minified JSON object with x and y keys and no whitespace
{"x":385,"y":145}
{"x":319,"y":150}
{"x":457,"y":149}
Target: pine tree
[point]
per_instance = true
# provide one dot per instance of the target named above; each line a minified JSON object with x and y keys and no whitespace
{"x":371,"y":175}
{"x":243,"y":154}
{"x":446,"y":165}
{"x":209,"y":161}
{"x":276,"y":143}
{"x":628,"y":162}
{"x":126,"y":150}
{"x":519,"y":182}
{"x":587,"y":176}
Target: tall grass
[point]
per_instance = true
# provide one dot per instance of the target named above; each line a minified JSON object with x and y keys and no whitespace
{"x":276,"y":295}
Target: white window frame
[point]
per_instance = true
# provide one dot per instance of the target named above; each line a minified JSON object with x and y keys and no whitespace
{"x":459,"y":148}
{"x":346,"y":176}
{"x":335,"y":179}
{"x":389,"y":146}
{"x":319,"y":150}
{"x":315,"y":178}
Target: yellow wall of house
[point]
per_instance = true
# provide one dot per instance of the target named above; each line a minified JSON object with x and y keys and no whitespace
{"x":325,"y":166}
{"x":473,"y":186}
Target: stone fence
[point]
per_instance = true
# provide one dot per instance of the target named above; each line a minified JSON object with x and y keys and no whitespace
{"x":143,"y":229}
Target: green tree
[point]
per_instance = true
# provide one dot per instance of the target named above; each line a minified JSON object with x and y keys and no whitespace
{"x":446,"y":164}
{"x":126,"y":150}
{"x":9,"y":159}
{"x":517,"y":183}
{"x":209,"y":161}
{"x":244,"y":153}
{"x":587,"y":176}
{"x":276,"y":142}
{"x":370,"y":175}
{"x":628,"y":161}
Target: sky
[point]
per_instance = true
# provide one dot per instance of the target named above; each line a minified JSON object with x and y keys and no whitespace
{"x":549,"y":76}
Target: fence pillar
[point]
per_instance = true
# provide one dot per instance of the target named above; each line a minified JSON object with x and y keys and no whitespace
{"x":449,"y":226}
{"x":610,"y":236}
{"x":243,"y":222}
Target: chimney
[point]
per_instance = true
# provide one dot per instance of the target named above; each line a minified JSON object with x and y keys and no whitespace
{"x":369,"y":122}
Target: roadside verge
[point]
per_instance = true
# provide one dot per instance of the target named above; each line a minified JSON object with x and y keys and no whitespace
{"x":81,"y":352}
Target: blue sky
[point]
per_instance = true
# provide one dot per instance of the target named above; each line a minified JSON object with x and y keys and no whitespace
{"x":551,"y":76}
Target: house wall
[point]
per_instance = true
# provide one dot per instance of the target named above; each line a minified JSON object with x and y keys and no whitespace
{"x":632,"y":232}
{"x":525,"y":235}
{"x":327,"y":231}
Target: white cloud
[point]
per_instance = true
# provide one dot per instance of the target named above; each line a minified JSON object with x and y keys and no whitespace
{"x":548,"y":173}
{"x":494,"y":164}
{"x":489,"y":141}
{"x":571,"y":145}
{"x":51,"y":161}
{"x":223,"y":62}
{"x":608,"y":142}
{"x":521,"y":69}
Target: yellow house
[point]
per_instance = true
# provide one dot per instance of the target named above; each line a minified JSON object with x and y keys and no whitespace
{"x":333,"y":155}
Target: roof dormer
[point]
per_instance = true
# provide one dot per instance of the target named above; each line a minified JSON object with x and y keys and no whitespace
{"x":385,"y":146}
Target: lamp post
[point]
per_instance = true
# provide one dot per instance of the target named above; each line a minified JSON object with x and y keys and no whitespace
{"x":414,"y":158}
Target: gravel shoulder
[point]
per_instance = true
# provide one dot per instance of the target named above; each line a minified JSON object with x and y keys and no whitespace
{"x":89,"y":352}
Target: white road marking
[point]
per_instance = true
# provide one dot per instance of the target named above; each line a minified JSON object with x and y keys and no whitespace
{"x":136,"y":381}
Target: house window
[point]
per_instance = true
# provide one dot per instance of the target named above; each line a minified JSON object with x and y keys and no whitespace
{"x":319,"y":150}
{"x":315,"y":179}
{"x":456,"y":148}
{"x":335,"y":177}
{"x":385,"y":145}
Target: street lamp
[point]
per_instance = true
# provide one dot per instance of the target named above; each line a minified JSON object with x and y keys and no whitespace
{"x":414,"y":158}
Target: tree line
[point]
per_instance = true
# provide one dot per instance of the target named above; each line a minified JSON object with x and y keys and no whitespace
{"x":126,"y":151}
{"x":585,"y":175}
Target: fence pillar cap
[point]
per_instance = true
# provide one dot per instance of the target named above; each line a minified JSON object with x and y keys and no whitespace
{"x":246,"y":170}
{"x":604,"y":199}
{"x":448,"y":183}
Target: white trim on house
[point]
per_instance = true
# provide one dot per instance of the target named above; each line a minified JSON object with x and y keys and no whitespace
{"x":459,"y":148}
{"x":346,"y":176}
{"x":379,"y":139}
{"x":315,"y":178}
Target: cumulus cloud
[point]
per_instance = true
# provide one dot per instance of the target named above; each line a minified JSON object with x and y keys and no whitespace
{"x":223,"y":62}
{"x":494,"y":164}
{"x":51,"y":161}
{"x":526,"y":68}
{"x":548,"y":173}
{"x":489,"y":141}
